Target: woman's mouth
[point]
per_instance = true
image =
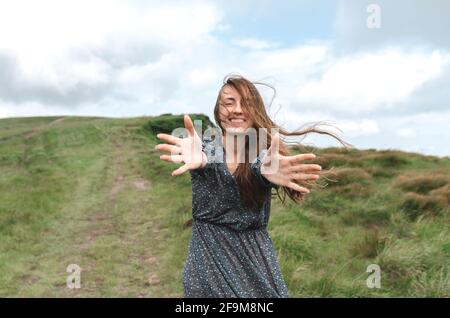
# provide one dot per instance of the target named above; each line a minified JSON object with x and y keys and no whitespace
{"x":237,"y":120}
{"x":237,"y":123}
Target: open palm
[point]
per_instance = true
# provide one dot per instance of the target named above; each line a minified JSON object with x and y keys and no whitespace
{"x":183,"y":150}
{"x":288,"y":170}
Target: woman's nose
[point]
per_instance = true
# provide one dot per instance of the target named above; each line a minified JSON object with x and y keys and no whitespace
{"x":237,"y":108}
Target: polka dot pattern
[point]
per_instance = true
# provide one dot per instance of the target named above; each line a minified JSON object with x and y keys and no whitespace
{"x":231,"y":253}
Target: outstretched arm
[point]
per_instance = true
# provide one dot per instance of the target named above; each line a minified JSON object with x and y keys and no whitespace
{"x":286,"y":170}
{"x":256,"y":170}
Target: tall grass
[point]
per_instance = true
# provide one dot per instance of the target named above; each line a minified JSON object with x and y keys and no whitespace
{"x":56,"y":208}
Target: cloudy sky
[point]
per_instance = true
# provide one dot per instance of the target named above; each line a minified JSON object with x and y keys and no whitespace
{"x":379,"y":73}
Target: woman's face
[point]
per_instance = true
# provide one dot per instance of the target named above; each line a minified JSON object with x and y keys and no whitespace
{"x":232,"y":117}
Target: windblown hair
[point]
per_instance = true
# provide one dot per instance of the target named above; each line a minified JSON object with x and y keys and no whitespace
{"x":251,"y":192}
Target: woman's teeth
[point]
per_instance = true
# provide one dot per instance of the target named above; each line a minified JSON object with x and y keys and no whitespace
{"x":237,"y":120}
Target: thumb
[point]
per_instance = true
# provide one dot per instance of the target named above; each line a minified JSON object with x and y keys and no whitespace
{"x":274,"y":144}
{"x":189,"y":125}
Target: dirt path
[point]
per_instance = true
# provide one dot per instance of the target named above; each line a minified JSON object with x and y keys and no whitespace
{"x":33,"y":132}
{"x":38,"y":129}
{"x":105,"y":224}
{"x":130,"y":187}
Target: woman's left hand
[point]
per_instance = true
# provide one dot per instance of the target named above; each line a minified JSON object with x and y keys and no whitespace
{"x":290,"y":169}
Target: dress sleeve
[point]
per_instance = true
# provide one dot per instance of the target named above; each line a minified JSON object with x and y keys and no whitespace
{"x":256,"y":170}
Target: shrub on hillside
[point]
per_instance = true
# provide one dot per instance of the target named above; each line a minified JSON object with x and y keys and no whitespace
{"x":166,"y":123}
{"x":421,"y":184}
{"x":329,"y":160}
{"x":367,"y":217}
{"x":354,"y":190}
{"x":369,"y":245}
{"x":442,"y":191}
{"x":415,"y":205}
{"x":379,"y":172}
{"x":346,"y":176}
{"x":389,"y":159}
{"x":401,"y":265}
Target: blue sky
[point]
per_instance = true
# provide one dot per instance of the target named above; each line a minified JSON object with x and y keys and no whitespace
{"x":384,"y":88}
{"x":287,"y":22}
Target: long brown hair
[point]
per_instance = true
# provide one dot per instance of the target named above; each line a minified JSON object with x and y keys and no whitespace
{"x":252,"y":193}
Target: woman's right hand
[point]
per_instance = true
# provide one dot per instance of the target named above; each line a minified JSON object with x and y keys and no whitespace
{"x":187,"y":150}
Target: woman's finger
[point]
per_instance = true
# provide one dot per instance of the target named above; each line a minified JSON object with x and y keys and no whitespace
{"x":304,"y":176}
{"x":297,"y":188}
{"x":189,"y":125}
{"x":301,"y":157}
{"x":180,"y":170}
{"x":169,"y":148}
{"x":169,"y":138}
{"x":304,"y":167}
{"x":171,"y":158}
{"x":274,"y":144}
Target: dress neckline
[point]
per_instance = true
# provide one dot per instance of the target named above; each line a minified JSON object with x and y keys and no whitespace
{"x":224,"y":161}
{"x":226,"y":165}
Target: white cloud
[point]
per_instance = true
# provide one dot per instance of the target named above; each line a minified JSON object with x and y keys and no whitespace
{"x":372,"y":81}
{"x":255,"y":44}
{"x":406,"y":132}
{"x":62,"y":49}
{"x":301,"y":61}
{"x":291,"y":119}
{"x":47,"y":25}
{"x":29,"y":109}
{"x":4,"y":111}
{"x":200,"y":77}
{"x":359,"y":128}
{"x":114,"y":58}
{"x":136,"y":74}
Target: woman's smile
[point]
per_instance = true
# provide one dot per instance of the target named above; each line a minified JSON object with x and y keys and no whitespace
{"x":237,"y":122}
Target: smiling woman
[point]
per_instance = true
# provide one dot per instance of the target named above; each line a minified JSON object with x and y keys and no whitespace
{"x":239,"y":107}
{"x":231,"y":252}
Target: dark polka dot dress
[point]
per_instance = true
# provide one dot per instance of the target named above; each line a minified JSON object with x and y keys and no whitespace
{"x":231,"y":252}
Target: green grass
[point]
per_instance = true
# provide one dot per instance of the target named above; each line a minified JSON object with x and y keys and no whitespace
{"x":92,"y":191}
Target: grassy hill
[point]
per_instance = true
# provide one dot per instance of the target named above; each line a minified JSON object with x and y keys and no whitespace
{"x":93,"y":192}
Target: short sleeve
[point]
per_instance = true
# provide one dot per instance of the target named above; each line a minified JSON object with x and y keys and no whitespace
{"x":256,"y":170}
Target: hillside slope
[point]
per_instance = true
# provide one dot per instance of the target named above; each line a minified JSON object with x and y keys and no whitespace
{"x":93,"y":192}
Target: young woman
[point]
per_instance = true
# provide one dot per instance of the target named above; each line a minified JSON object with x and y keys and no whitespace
{"x":231,"y":252}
